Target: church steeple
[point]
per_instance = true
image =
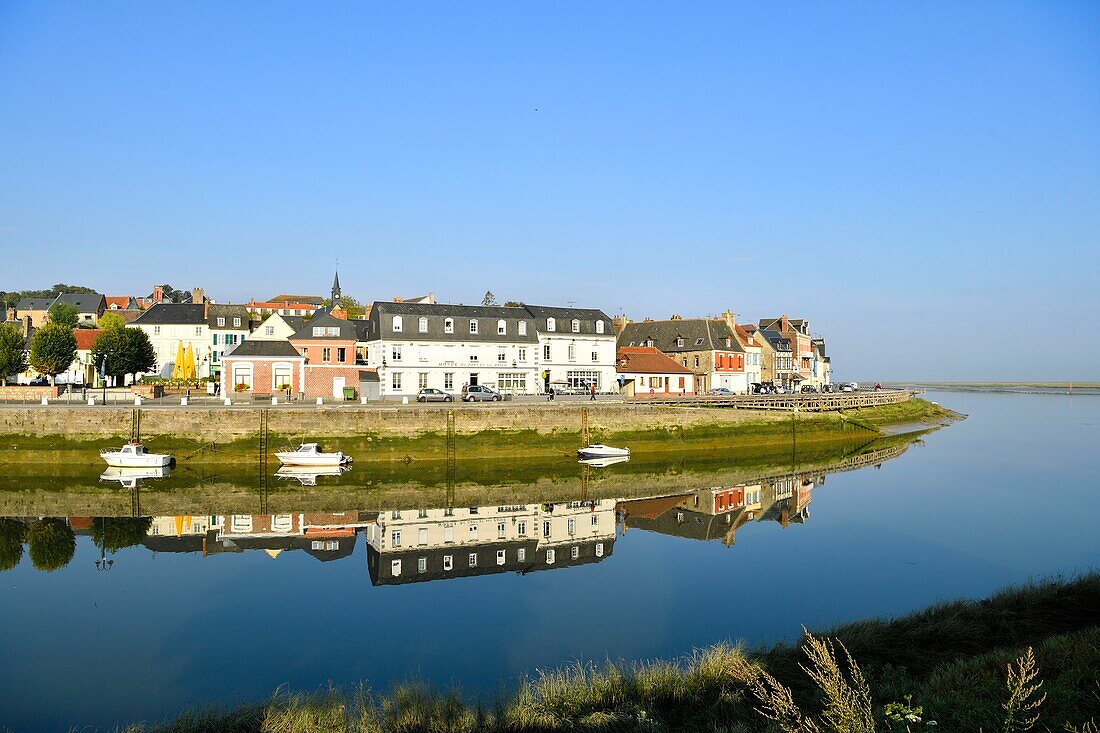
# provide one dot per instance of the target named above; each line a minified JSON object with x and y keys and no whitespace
{"x":336,"y":288}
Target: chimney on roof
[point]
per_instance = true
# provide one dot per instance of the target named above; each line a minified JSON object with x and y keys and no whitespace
{"x":205,"y":309}
{"x":675,"y":317}
{"x":158,"y":293}
{"x":784,"y":324}
{"x":730,"y":318}
{"x":618,"y":323}
{"x":398,"y":299}
{"x":197,"y":295}
{"x":28,"y":326}
{"x":647,"y":320}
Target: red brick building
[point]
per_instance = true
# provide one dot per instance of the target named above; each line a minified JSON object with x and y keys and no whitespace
{"x":262,"y":367}
{"x":327,"y":343}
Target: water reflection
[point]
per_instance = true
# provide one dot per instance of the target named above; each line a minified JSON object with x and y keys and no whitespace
{"x":308,"y":475}
{"x":132,"y":478}
{"x":416,"y":545}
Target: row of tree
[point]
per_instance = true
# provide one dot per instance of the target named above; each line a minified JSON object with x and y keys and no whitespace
{"x":53,"y":347}
{"x":52,"y":542}
{"x":10,"y":298}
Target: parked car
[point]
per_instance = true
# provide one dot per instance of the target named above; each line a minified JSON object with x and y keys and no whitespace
{"x":433,"y":395}
{"x":720,"y":392}
{"x":808,"y":388}
{"x":480,"y":393}
{"x":829,"y":388}
{"x":848,"y":387}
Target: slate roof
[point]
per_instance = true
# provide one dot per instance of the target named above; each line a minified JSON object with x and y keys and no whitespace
{"x":698,"y":334}
{"x":380,"y":323}
{"x":307,"y":299}
{"x":34,"y":304}
{"x":260,"y":349}
{"x":776,"y":340}
{"x":172,"y":314}
{"x":565,"y":316}
{"x":346,"y":329}
{"x":228,"y":312}
{"x":647,"y":360}
{"x":83,"y":302}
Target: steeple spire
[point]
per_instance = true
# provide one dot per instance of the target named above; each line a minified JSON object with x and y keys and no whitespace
{"x":336,"y":285}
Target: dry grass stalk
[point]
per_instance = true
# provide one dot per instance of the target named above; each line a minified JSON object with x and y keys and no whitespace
{"x":1023,"y":694}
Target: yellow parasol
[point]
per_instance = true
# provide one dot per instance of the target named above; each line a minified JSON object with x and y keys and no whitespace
{"x":177,"y":369}
{"x":189,"y":371}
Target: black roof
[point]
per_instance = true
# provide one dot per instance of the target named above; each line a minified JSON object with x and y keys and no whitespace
{"x":382,"y":312}
{"x":259,"y":348}
{"x":34,"y":304}
{"x":698,"y":334}
{"x":587,"y":318}
{"x":228,"y":312}
{"x":776,"y":340}
{"x":345,"y":329}
{"x":83,"y":302}
{"x":173,"y":314}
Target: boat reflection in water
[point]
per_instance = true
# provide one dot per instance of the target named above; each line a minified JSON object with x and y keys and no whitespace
{"x":308,"y":475}
{"x":415,"y":545}
{"x":132,"y":478}
{"x":603,"y":462}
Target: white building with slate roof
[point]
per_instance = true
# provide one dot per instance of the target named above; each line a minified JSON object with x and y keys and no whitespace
{"x":520,"y":350}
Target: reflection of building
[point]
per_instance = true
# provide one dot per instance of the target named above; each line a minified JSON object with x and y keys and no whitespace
{"x":325,"y":535}
{"x":413,"y":546}
{"x":718,"y":512}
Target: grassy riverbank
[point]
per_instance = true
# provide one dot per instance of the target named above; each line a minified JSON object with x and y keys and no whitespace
{"x":951,"y":661}
{"x":213,"y":436}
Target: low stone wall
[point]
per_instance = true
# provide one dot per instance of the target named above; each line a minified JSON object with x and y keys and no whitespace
{"x":26,"y":392}
{"x":148,"y":391}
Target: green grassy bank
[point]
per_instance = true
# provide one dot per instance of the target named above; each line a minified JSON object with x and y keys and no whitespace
{"x":966,"y":665}
{"x":405,"y":436}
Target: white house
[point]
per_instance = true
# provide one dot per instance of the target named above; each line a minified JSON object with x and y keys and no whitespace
{"x":229,"y":327}
{"x":419,"y":345}
{"x":168,"y":325}
{"x":277,"y":327}
{"x":576,"y":348}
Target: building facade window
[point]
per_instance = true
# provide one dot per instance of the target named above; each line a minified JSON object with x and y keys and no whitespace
{"x":523,"y":328}
{"x":396,"y":380}
{"x":523,"y":355}
{"x":572,"y":352}
{"x":575,"y":552}
{"x":448,"y":562}
{"x":236,"y":323}
{"x":422,"y":565}
{"x":501,"y":557}
{"x":326,"y":354}
{"x":473,"y":326}
{"x":423,"y":325}
{"x":397,"y":325}
{"x":521,"y":554}
{"x":448,"y":380}
{"x":546,"y":352}
{"x":551,"y":325}
{"x":423,"y":380}
{"x":449,"y":325}
{"x":221,"y":321}
{"x":341,"y":354}
{"x":599,"y":326}
{"x":473,"y":559}
{"x":512,"y":382}
{"x":395,"y":353}
{"x":502,"y":327}
{"x":502,"y":356}
{"x":395,"y":538}
{"x":575,"y":326}
{"x":595,"y":356}
{"x":584,"y":379}
{"x":500,"y":530}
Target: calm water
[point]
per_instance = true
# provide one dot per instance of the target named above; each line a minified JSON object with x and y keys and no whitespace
{"x":221,"y":608}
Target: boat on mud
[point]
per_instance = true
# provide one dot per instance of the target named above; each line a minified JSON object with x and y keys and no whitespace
{"x":598,"y":450}
{"x":133,"y":455}
{"x":310,"y":454}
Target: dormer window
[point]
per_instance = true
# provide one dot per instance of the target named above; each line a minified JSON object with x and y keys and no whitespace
{"x":397,"y":325}
{"x":576,"y":326}
{"x":523,"y":328}
{"x":550,"y":324}
{"x":679,"y":342}
{"x":502,"y":327}
{"x":221,"y":321}
{"x":236,"y":323}
{"x":333,"y":330}
{"x":473,"y":325}
{"x":698,"y":342}
{"x":423,"y":325}
{"x":318,"y":331}
{"x":728,"y":344}
{"x":599,"y":326}
{"x":448,"y":325}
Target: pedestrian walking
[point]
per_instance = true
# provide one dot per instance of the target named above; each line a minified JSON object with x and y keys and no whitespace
{"x":550,"y":395}
{"x":593,"y":392}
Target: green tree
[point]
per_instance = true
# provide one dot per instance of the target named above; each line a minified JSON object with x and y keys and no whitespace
{"x":110,"y":321}
{"x":52,"y":544}
{"x":13,"y":353}
{"x":115,"y":533}
{"x":64,"y":314}
{"x":127,"y":351}
{"x":489,"y":298}
{"x":53,"y":348}
{"x":13,"y":533}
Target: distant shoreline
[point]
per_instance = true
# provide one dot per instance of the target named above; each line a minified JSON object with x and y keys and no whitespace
{"x":1083,"y":388}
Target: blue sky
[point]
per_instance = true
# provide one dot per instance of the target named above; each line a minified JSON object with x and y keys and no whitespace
{"x":920,"y":180}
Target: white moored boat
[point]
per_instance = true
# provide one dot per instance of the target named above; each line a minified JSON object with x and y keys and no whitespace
{"x":598,"y":450}
{"x":133,"y":455}
{"x":309,"y":454}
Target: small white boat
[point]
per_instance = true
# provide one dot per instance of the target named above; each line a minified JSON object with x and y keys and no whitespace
{"x":598,"y":450}
{"x":132,"y":478}
{"x":309,"y":454}
{"x":133,"y":455}
{"x":604,"y":462}
{"x":308,"y":475}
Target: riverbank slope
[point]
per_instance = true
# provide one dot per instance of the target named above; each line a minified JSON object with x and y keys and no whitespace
{"x":223,"y":435}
